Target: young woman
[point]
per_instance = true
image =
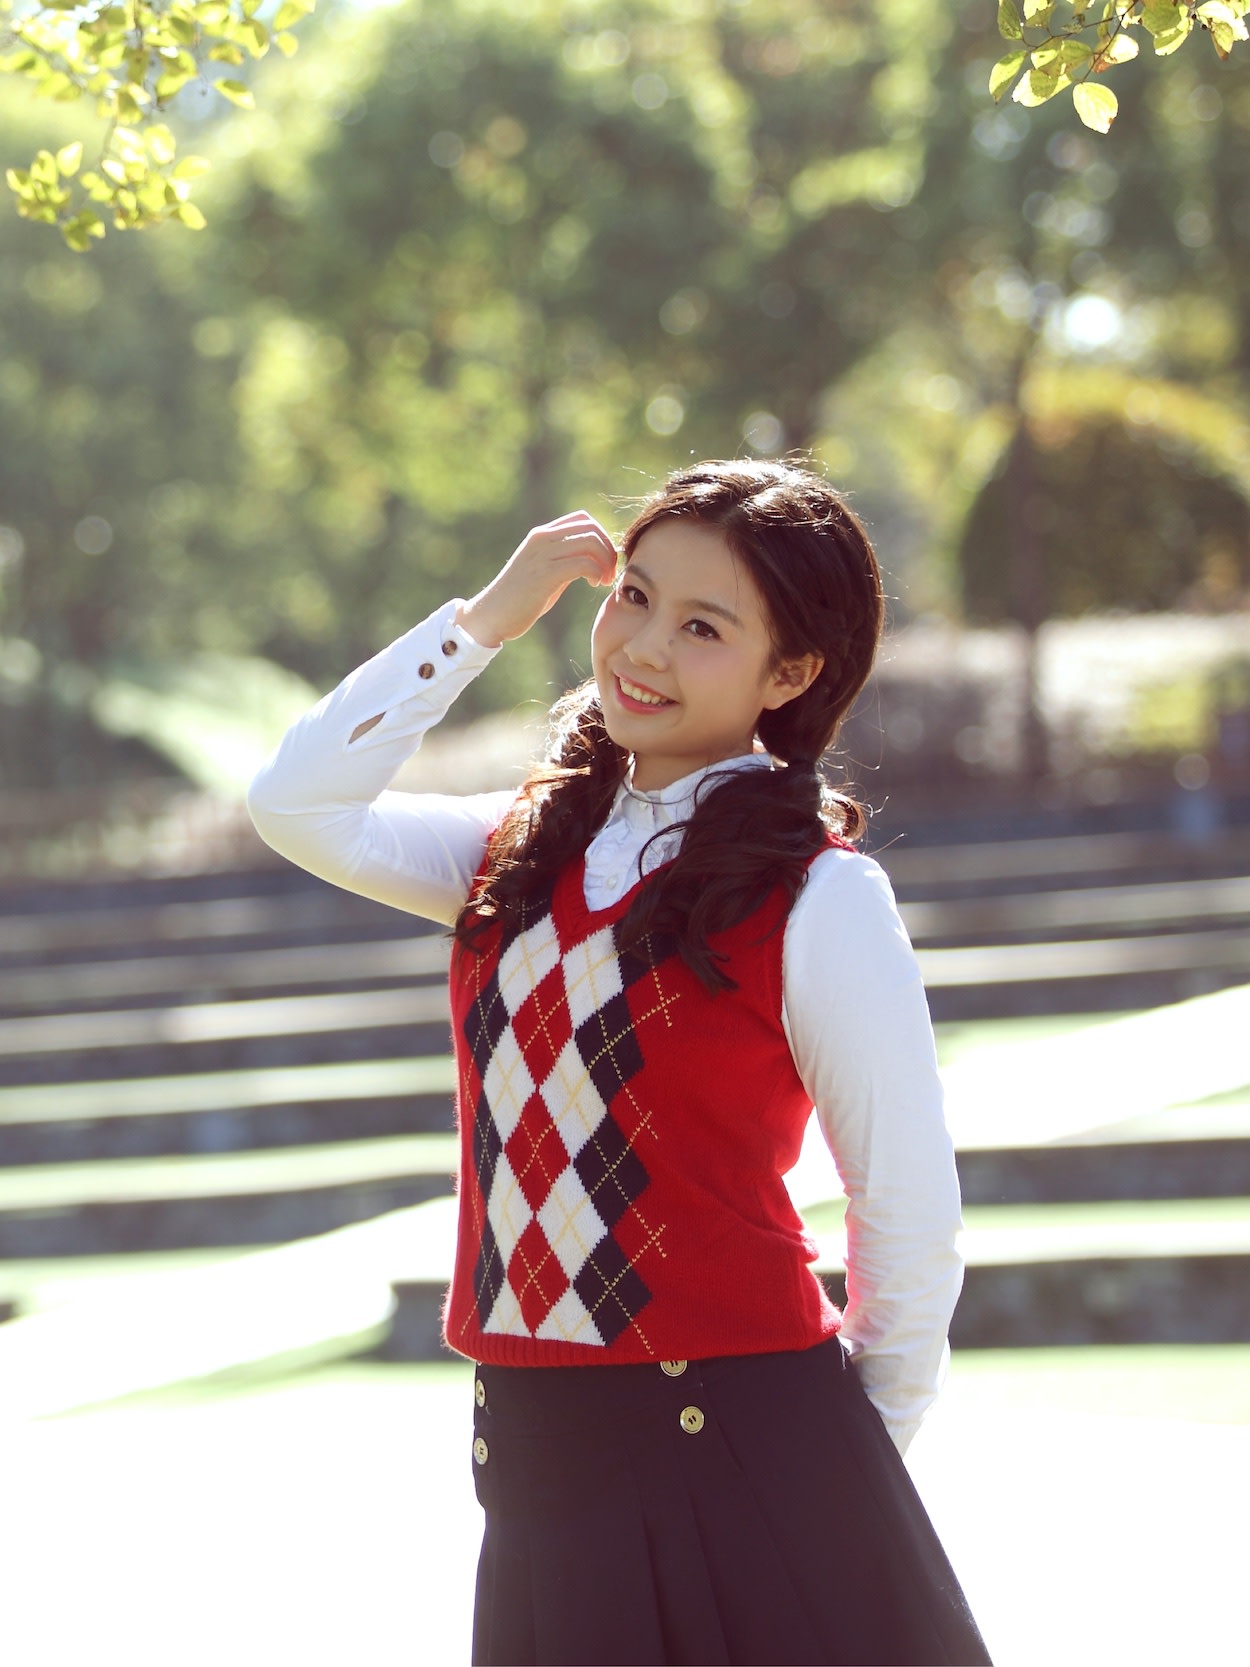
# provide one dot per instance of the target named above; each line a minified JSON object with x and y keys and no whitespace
{"x":666,"y":952}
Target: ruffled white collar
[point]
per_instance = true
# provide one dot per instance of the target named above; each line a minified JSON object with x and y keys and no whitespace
{"x":676,"y":802}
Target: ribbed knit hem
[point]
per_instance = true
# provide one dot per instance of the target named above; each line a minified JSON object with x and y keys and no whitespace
{"x":494,"y":1349}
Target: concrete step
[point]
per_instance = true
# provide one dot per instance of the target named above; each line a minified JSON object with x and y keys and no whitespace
{"x":211,"y":1036}
{"x":1087,"y":911}
{"x":1186,"y":1166}
{"x":170,"y":979}
{"x":156,"y":1033}
{"x":143,"y":1204}
{"x":975,"y":868}
{"x":225,"y":1111}
{"x":110,"y":983}
{"x":117,"y":918}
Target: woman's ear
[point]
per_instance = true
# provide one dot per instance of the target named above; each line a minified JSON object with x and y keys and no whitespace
{"x":791,"y":679}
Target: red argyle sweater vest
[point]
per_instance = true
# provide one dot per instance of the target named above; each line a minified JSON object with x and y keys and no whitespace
{"x":623,"y":1134}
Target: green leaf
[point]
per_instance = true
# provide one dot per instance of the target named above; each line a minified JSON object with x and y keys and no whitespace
{"x":96,"y":188}
{"x":291,"y":12}
{"x":1036,"y":87}
{"x":79,"y":231}
{"x":130,"y":102}
{"x":1009,"y":24}
{"x":1004,"y":73}
{"x":1075,"y":52}
{"x":190,"y":216}
{"x":226,"y":52}
{"x":129,"y":145}
{"x":1222,"y":38}
{"x":69,"y":159}
{"x":1033,"y":7}
{"x":1167,"y":24}
{"x":173,"y":83}
{"x":1216,"y":11}
{"x":161,"y":145}
{"x":286,"y":43}
{"x":1096,"y":105}
{"x":237,"y":93}
{"x":255,"y":37}
{"x":1118,"y":50}
{"x":192,"y":167}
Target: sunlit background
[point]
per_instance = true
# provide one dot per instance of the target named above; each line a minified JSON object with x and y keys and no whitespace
{"x":470,"y":264}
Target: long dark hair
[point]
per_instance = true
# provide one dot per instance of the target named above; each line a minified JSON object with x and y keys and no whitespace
{"x":751,"y":830}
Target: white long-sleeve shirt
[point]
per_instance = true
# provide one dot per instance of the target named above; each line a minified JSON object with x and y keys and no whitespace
{"x":854,"y":1008}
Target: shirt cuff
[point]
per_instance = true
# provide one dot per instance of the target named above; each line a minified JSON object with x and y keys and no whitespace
{"x":456,"y":648}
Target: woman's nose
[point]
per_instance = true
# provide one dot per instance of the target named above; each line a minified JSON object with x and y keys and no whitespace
{"x":648,"y":645}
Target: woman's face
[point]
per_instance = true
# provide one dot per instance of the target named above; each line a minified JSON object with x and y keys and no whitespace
{"x":682,"y":655}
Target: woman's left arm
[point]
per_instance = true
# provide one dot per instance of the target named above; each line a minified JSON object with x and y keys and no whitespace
{"x":858,"y":1023}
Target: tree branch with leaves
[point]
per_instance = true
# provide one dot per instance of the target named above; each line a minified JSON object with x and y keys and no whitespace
{"x":1059,"y":45}
{"x":130,"y":61}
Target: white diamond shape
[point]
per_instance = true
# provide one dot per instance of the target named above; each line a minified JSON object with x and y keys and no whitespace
{"x":507,"y":1083}
{"x":575,"y":1104}
{"x":507,"y":1208}
{"x":592,"y":975}
{"x":527,"y":961}
{"x":571,"y":1223}
{"x":506,"y":1316}
{"x":570,"y":1322}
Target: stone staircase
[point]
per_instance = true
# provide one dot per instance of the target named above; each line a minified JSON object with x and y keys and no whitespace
{"x":197,"y":1066}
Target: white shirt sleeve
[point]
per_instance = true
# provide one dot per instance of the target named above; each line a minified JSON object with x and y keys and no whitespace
{"x":858,"y":1023}
{"x":321,"y":800}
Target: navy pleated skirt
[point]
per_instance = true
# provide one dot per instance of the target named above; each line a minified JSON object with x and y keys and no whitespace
{"x":745,"y":1509}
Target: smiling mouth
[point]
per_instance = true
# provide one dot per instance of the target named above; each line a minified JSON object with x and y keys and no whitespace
{"x":640,"y":696}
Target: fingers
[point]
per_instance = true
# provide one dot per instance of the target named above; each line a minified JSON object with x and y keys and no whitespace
{"x":579,"y":534}
{"x":546,"y":562}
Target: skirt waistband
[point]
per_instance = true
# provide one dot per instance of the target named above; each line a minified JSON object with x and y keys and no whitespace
{"x":546,"y":1398}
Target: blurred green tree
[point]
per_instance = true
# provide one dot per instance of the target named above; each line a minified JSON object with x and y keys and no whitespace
{"x":130,"y":62}
{"x":485,"y":267}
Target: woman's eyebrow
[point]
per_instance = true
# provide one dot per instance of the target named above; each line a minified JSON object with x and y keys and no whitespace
{"x":695,"y":603}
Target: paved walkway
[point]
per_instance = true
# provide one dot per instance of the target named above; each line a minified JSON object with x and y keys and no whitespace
{"x":331,"y":1518}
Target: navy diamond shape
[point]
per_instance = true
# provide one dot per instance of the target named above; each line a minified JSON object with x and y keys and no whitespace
{"x":485,"y":1023}
{"x":611,"y":1290}
{"x":489,"y":1273}
{"x":609,"y":1048}
{"x":611,"y":1171}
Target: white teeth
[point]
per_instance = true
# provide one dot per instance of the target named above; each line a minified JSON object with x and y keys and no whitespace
{"x":635,"y":693}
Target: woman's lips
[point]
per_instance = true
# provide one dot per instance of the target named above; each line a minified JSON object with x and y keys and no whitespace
{"x":631,"y":702}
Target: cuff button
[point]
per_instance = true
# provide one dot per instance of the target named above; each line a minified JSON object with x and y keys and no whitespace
{"x":425,"y":670}
{"x":451,"y":647}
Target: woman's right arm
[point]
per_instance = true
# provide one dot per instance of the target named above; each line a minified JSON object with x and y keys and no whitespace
{"x":322,"y":799}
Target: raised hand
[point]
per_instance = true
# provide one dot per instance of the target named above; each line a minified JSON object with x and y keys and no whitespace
{"x":544,"y":564}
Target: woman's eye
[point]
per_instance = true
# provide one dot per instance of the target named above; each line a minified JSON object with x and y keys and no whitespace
{"x":700,"y":628}
{"x":632,"y":595}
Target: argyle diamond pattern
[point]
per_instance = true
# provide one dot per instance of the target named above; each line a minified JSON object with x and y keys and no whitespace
{"x":553,"y":1043}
